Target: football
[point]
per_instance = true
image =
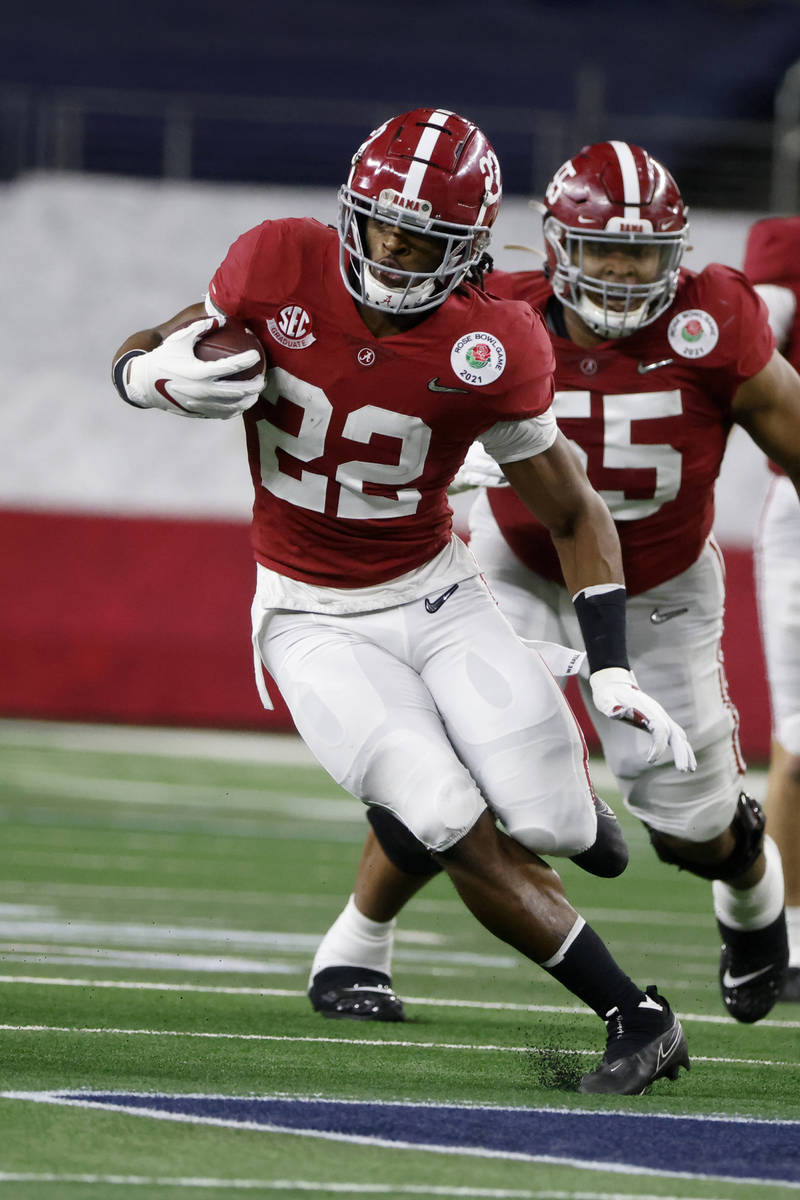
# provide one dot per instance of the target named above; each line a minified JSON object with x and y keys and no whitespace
{"x":231,"y":338}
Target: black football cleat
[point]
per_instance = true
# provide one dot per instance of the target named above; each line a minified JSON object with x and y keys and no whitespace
{"x":608,"y":854}
{"x":790,"y":992}
{"x":753,"y":968}
{"x":356,"y":994}
{"x":646,"y":1044}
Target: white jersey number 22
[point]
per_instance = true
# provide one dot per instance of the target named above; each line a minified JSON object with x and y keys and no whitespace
{"x":309,"y":489}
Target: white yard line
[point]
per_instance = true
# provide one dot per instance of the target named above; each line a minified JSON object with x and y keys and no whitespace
{"x":271,"y":748}
{"x":395,"y":1043}
{"x":423,"y":1001}
{"x":350,"y":1189}
{"x":168,"y":795}
{"x":225,"y":746}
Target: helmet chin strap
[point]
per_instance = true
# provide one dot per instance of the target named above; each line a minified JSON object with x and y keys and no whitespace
{"x":378,"y":295}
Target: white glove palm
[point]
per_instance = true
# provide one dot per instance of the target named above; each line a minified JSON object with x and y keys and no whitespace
{"x":172,"y":378}
{"x":617,"y":695}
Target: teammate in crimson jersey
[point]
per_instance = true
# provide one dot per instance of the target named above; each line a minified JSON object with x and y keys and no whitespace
{"x":772,"y":262}
{"x":385,"y":361}
{"x":654,"y":364}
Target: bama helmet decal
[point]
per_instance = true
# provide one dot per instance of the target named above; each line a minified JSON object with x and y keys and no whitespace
{"x":730,"y":1148}
{"x":478,"y":358}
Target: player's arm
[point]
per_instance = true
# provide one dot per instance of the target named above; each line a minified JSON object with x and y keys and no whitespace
{"x":554,"y":486}
{"x":768,"y":406}
{"x":157,"y":368}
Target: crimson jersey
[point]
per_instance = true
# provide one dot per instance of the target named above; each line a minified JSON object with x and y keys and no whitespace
{"x":772,"y":255}
{"x":650,"y":415}
{"x":355,"y":439}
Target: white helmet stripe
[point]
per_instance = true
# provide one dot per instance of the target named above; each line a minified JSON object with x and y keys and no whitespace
{"x":630,"y":179}
{"x":424,"y":150}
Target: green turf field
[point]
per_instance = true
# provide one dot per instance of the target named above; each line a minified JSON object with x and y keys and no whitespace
{"x":161,"y":896}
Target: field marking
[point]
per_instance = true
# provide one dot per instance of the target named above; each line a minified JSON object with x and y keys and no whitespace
{"x":267,"y":747}
{"x":143,"y":960}
{"x":406,"y":1044}
{"x":275,"y":749}
{"x":347,"y":1189}
{"x":621,"y":916}
{"x":386,"y":1143}
{"x":167,"y":795}
{"x":104,"y":891}
{"x":129,"y":934}
{"x":427,"y":1001}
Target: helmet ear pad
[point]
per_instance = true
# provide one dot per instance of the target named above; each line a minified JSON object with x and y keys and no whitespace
{"x":432,"y":173}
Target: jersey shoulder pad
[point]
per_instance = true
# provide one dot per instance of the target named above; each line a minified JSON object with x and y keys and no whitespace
{"x":718,"y":320}
{"x":772,"y":253}
{"x":719,"y":290}
{"x":530,"y":286}
{"x":528,"y":354}
{"x":267,"y":261}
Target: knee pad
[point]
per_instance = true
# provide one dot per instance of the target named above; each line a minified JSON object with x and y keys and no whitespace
{"x":403,"y":850}
{"x":747,"y":828}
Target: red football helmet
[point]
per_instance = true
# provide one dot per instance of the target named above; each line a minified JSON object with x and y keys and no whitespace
{"x":430,"y":172}
{"x":614,"y":197}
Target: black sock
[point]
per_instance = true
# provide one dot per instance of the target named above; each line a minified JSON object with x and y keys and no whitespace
{"x":590,"y":973}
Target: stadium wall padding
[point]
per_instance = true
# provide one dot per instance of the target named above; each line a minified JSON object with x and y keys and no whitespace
{"x":146,"y":621}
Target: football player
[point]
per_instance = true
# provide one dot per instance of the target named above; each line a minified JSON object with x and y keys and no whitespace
{"x":772,"y":263}
{"x":654,"y":365}
{"x":403,"y":677}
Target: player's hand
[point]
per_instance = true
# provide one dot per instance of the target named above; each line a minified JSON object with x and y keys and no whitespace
{"x":617,"y":695}
{"x":478,"y":469}
{"x":172,"y":378}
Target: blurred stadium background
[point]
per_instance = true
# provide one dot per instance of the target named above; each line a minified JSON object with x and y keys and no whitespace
{"x":138,"y":140}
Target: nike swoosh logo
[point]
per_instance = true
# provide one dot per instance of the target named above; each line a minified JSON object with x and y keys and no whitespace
{"x":435,"y":386}
{"x":585,"y":220}
{"x":732,"y":981}
{"x":161,"y":387}
{"x":644,"y":368}
{"x":663,"y":1055}
{"x":433,"y":606}
{"x":659,"y":615}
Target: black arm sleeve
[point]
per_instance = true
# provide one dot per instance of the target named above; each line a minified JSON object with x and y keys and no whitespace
{"x":602,"y":621}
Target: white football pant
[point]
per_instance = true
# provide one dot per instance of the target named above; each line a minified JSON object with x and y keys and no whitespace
{"x":778,"y":575}
{"x":674,"y":633}
{"x":436,"y":715}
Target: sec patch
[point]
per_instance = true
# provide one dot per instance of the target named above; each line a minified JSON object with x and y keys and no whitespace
{"x":478,"y":358}
{"x":693,"y":333}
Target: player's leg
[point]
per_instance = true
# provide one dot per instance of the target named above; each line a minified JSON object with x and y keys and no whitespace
{"x":782,"y":806}
{"x":372,"y":722}
{"x":374,"y":727}
{"x":509,"y":723}
{"x":540,"y":610}
{"x":351,"y":972}
{"x":703,"y":823}
{"x":778,"y":590}
{"x":391,"y":853}
{"x":520,"y":899}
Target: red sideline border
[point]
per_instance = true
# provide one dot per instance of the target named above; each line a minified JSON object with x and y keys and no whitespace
{"x":146,"y":621}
